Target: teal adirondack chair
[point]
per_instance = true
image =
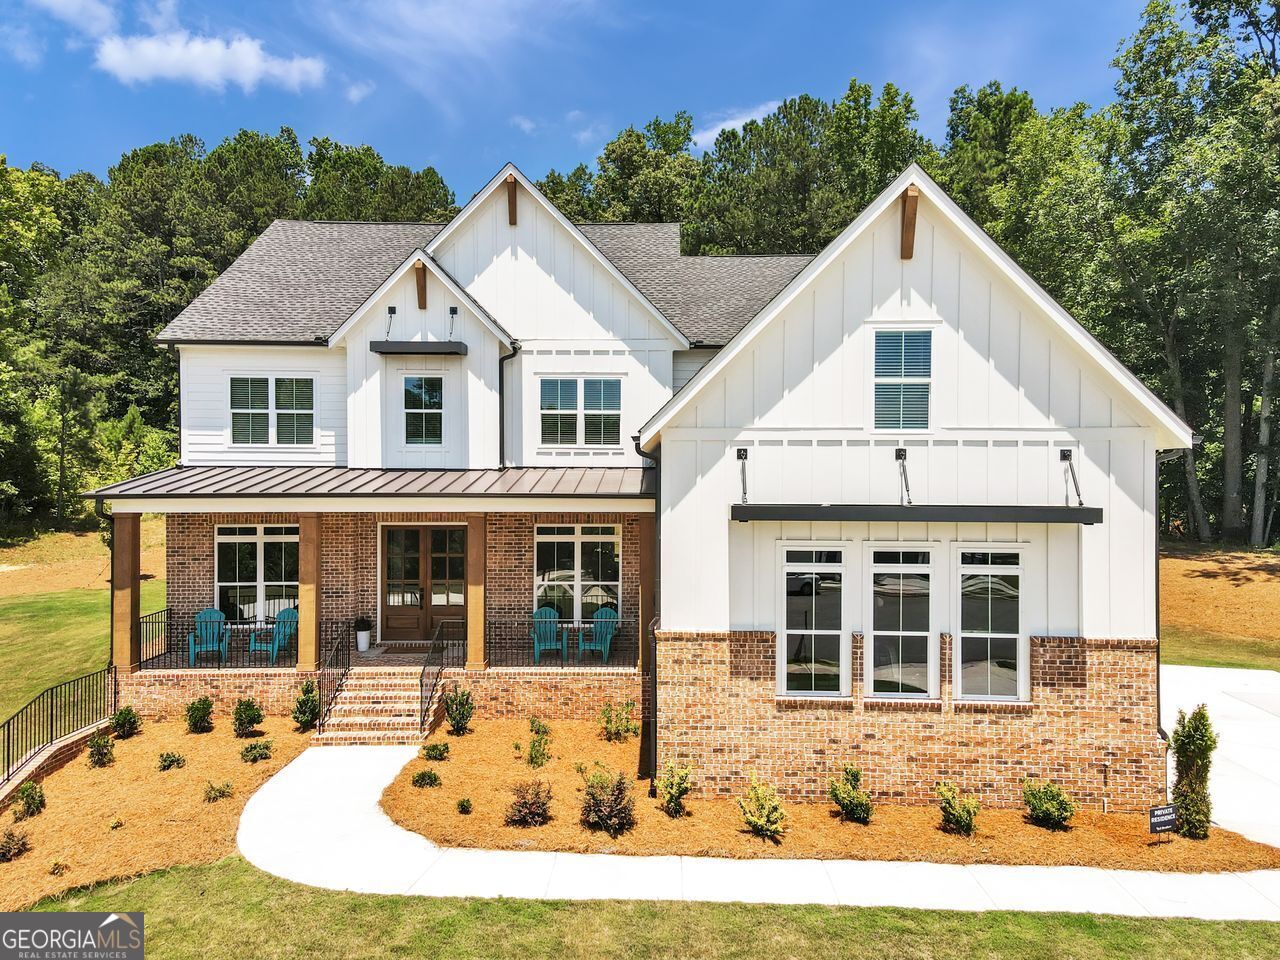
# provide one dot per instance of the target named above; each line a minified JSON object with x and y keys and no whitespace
{"x":546,"y":632}
{"x":209,"y":636}
{"x":279,"y":636}
{"x":603,"y":626}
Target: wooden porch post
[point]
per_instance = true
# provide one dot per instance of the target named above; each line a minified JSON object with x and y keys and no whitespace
{"x":126,"y":566}
{"x":648,"y":582}
{"x":308,"y":591}
{"x":475,"y":591}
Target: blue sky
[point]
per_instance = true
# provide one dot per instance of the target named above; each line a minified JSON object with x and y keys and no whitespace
{"x":467,"y":85}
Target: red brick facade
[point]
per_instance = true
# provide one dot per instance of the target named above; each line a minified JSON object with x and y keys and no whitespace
{"x":1090,"y":725}
{"x":166,"y":693}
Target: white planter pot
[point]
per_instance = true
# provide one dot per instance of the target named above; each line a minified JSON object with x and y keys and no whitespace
{"x":362,"y":640}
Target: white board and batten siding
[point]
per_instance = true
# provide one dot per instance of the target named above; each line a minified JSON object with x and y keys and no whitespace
{"x":205,"y":374}
{"x":1009,"y":390}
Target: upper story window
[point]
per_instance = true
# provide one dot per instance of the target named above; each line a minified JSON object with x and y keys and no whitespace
{"x":903,"y":367}
{"x":424,"y":410}
{"x":581,"y":410}
{"x":253,"y":412}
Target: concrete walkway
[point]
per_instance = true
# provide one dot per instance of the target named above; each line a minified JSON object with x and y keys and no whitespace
{"x":318,"y":822}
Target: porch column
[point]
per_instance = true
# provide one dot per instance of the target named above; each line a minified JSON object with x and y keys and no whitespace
{"x":648,"y":583}
{"x":126,"y":566}
{"x":308,"y":591}
{"x":475,"y":591}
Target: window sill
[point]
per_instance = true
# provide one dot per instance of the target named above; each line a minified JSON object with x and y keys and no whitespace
{"x":594,"y":448}
{"x":905,"y":704}
{"x":993,"y":706}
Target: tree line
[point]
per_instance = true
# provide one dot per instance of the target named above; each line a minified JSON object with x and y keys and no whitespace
{"x":1154,"y":219}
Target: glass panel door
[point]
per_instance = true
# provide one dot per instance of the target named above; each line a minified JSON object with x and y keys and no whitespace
{"x":404,"y":616}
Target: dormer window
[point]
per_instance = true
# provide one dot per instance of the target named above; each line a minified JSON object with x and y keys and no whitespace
{"x":252,"y":411}
{"x":903,"y":368}
{"x":589,"y":408}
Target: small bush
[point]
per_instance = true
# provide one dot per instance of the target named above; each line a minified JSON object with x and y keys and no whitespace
{"x":539,"y":728}
{"x":102,"y":750}
{"x":426,"y":778}
{"x":256,"y":751}
{"x":200,"y":715}
{"x":170,"y":761}
{"x":1047,"y":804}
{"x":959,"y":812}
{"x":115,"y":824}
{"x":58,"y":868}
{"x":246,"y":717}
{"x":539,"y":752}
{"x":530,"y":804}
{"x":458,"y":708}
{"x":213,"y":792}
{"x":846,"y":793}
{"x":13,"y":844}
{"x":435,"y":752}
{"x":673,"y":785}
{"x":608,"y":803}
{"x":28,"y":801}
{"x":762,"y":811}
{"x":616,"y":724}
{"x":1193,"y":742}
{"x":464,"y":806}
{"x":306,"y":709}
{"x":126,"y":723}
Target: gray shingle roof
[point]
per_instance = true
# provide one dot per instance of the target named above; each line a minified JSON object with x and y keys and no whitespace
{"x":300,"y":280}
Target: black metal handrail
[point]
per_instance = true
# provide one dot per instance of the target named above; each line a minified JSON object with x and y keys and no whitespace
{"x":337,"y":637}
{"x":166,"y":639}
{"x":509,"y":642}
{"x":52,"y":714}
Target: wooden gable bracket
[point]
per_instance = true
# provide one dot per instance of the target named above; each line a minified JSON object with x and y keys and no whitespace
{"x":420,"y":274}
{"x":910,"y":200}
{"x":511,"y":199}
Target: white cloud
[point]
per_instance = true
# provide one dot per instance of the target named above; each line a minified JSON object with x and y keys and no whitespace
{"x":160,"y":15}
{"x":205,"y":61}
{"x":591,"y":133}
{"x":359,"y":90}
{"x":21,"y":45}
{"x":523,"y":123}
{"x":92,"y":17}
{"x":704,"y":138}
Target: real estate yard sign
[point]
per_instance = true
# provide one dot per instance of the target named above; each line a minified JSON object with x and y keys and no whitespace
{"x":1164,"y":819}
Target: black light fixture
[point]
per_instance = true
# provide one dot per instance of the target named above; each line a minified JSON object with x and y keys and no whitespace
{"x":900,"y":455}
{"x":1064,"y":455}
{"x":742,"y":465}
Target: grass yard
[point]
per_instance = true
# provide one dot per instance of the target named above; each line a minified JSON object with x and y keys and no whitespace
{"x":231,"y":910}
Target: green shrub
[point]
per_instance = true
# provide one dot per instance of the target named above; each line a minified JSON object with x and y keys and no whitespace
{"x":530,"y":804}
{"x":170,"y":761}
{"x":959,"y":812}
{"x":464,"y":806}
{"x":213,"y":792}
{"x":539,"y":752}
{"x":673,"y":785}
{"x":539,"y":728}
{"x":435,"y":751}
{"x":306,"y":709}
{"x":246,"y":717}
{"x":28,"y":801}
{"x":126,"y":723}
{"x":200,"y":715}
{"x":607,"y":802}
{"x":426,"y":778}
{"x":846,"y":793}
{"x":1193,"y":742}
{"x":256,"y":751}
{"x":458,"y":708}
{"x":762,"y":811}
{"x":14,"y":844}
{"x":1047,"y":804}
{"x":616,"y":724}
{"x":102,"y":750}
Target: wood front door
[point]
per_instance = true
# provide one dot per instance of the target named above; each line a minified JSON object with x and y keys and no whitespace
{"x":423,"y":580}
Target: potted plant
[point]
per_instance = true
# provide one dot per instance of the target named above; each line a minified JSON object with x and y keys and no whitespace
{"x":363,"y":627}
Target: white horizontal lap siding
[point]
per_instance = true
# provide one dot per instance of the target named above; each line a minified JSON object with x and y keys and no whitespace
{"x":205,"y":399}
{"x":1008,"y":393}
{"x":686,"y":363}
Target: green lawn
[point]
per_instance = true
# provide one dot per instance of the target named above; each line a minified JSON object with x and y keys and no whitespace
{"x":46,"y":638}
{"x":230,"y":909}
{"x":1198,"y":648}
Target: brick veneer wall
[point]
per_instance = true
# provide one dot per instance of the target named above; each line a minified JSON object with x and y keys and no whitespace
{"x":551,"y":694}
{"x":166,"y":693}
{"x":1090,"y":725}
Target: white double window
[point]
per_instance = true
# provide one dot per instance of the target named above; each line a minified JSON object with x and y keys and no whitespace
{"x":255,"y":571}
{"x":813,"y":655}
{"x":266,"y":410}
{"x":580,"y":411}
{"x":577,"y":569}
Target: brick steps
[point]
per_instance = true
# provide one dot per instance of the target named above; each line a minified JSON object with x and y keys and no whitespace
{"x":377,"y":706}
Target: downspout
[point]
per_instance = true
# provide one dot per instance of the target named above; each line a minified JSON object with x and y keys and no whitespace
{"x":652,"y":658}
{"x":502,"y":406}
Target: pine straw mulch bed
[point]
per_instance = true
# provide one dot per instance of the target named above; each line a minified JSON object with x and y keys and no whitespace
{"x":164,"y":818}
{"x":482,"y":766}
{"x":1219,"y":591}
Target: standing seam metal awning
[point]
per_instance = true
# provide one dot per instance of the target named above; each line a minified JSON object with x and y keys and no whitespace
{"x":919,"y":513}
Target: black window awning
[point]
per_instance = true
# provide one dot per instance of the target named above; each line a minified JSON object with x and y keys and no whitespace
{"x":918,"y":513}
{"x":448,"y":348}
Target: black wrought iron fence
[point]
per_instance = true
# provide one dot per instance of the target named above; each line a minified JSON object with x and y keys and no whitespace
{"x":531,"y":642}
{"x":180,"y":641}
{"x":53,"y":714}
{"x":447,"y":648}
{"x":337,"y":637}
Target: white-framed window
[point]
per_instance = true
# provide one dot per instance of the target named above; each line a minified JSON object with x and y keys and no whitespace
{"x":991,"y":650}
{"x":577,"y":569}
{"x":583,"y":411}
{"x":255,"y":570}
{"x":423,"y":410}
{"x":900,"y":649}
{"x":257,"y":420}
{"x":903,"y":372}
{"x":813,"y":656}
